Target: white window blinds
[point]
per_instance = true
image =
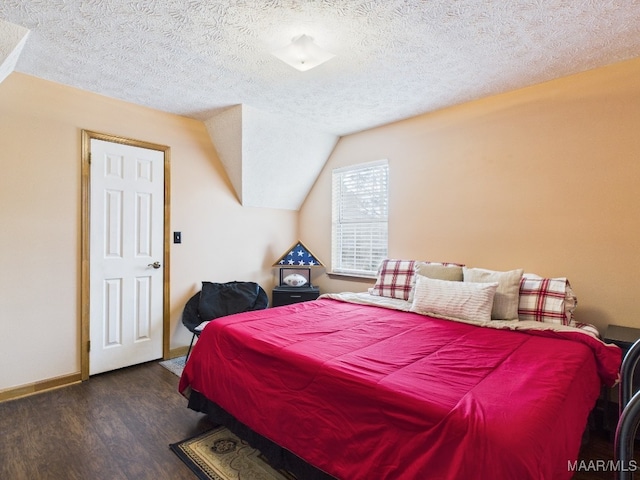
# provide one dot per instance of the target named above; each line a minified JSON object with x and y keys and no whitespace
{"x":360,"y":210}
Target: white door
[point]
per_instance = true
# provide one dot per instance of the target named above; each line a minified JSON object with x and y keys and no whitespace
{"x":126,"y":252}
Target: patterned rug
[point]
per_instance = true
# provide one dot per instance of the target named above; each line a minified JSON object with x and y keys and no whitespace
{"x":218,"y":454}
{"x":174,"y":365}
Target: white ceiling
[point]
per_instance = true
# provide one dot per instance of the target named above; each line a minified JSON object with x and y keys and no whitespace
{"x":394,"y":58}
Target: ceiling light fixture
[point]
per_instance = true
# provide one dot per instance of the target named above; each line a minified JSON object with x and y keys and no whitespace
{"x":302,"y":54}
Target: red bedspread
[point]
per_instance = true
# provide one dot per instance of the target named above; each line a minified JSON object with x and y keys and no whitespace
{"x":365,"y":392}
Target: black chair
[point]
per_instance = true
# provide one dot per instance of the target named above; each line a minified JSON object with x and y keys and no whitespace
{"x":217,"y":300}
{"x":629,"y":410}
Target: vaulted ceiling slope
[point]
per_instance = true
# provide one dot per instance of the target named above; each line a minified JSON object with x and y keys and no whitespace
{"x":270,"y":161}
{"x":393,"y":58}
{"x":12,"y":41}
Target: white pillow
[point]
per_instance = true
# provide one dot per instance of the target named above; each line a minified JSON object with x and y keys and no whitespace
{"x":505,"y":303}
{"x":441,"y":271}
{"x":462,"y":300}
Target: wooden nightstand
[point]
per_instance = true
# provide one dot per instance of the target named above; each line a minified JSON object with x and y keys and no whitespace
{"x":288,"y":295}
{"x":624,"y":337}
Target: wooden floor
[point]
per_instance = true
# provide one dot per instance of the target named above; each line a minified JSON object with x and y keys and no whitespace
{"x":116,"y":425}
{"x":119,"y":425}
{"x":594,"y":454}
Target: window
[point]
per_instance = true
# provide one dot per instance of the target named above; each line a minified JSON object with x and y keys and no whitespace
{"x":360,"y":210}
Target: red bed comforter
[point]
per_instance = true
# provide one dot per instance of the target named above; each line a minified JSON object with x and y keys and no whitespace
{"x":365,"y":392}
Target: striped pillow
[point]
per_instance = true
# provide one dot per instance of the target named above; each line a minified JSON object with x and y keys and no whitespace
{"x":460,"y":300}
{"x":439,"y":270}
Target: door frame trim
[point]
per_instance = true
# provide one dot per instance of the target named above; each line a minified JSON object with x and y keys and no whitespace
{"x":87,"y":136}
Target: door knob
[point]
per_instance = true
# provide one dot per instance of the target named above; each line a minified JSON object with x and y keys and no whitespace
{"x":155,"y":265}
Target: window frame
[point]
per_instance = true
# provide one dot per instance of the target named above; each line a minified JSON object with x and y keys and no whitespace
{"x":347,"y":220}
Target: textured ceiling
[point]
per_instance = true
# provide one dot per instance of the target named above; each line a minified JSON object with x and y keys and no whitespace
{"x":394,"y":59}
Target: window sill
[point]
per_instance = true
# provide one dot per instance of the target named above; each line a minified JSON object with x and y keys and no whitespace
{"x":351,"y":276}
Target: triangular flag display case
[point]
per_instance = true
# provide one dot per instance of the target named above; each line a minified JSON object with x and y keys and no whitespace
{"x":295,"y":266}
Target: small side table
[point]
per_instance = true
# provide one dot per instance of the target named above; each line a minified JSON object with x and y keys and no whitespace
{"x":623,"y":337}
{"x":288,"y":295}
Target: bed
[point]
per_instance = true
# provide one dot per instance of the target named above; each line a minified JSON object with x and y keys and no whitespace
{"x":364,"y":386}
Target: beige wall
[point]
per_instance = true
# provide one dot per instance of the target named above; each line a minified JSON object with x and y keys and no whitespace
{"x":544,"y":178}
{"x":40,"y":132}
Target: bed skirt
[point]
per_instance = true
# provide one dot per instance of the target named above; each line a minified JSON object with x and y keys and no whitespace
{"x":279,"y":458}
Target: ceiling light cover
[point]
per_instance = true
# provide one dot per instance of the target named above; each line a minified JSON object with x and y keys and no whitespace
{"x":302,"y":54}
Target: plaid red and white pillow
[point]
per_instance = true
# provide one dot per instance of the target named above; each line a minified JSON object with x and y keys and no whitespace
{"x":546,"y":300}
{"x":587,"y":327}
{"x":395,"y":279}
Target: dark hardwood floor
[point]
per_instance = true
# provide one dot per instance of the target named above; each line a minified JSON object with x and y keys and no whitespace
{"x":119,"y":425}
{"x":594,"y":457}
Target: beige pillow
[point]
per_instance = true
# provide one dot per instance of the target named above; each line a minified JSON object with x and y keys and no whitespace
{"x":462,"y":300}
{"x":441,"y":272}
{"x":436,"y":270}
{"x":505,"y":302}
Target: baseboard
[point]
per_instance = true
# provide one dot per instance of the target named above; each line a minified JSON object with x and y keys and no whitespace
{"x":39,"y":387}
{"x":177,"y":352}
{"x":57,"y":382}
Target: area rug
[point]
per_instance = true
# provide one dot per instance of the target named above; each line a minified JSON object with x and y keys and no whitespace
{"x":218,"y":454}
{"x":175,"y":365}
